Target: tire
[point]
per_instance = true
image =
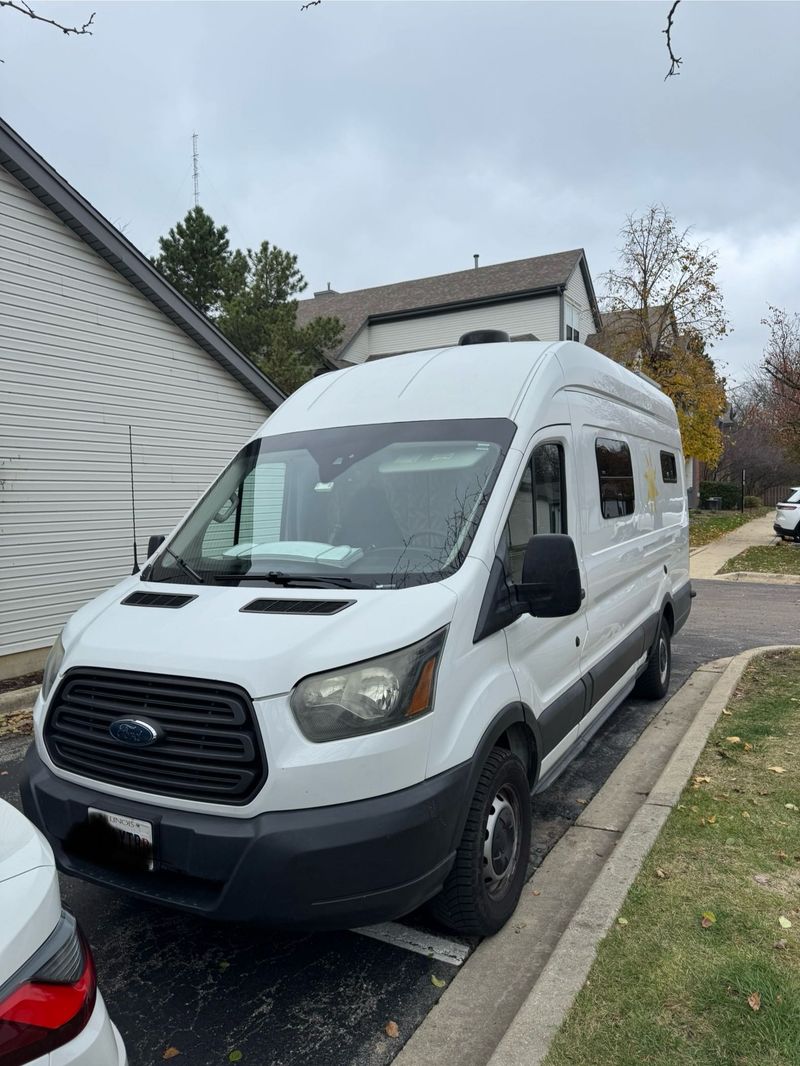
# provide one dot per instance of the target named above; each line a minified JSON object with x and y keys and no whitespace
{"x":480,"y":894}
{"x":654,"y":682}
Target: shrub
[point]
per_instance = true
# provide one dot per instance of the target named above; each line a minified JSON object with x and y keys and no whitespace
{"x":730,"y":495}
{"x":752,"y":501}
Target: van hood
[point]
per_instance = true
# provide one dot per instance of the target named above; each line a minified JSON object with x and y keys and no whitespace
{"x":267,"y":654}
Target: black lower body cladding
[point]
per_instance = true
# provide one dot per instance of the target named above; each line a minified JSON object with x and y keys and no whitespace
{"x":328,"y":867}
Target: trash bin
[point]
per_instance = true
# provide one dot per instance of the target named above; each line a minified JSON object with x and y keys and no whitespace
{"x":714,"y":503}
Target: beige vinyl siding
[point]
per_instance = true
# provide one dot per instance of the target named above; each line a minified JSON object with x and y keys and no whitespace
{"x":577,"y":295}
{"x":82,"y":355}
{"x":357,"y":351}
{"x":538,"y":316}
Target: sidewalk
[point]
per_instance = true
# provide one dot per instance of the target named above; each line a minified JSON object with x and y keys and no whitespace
{"x":706,"y":561}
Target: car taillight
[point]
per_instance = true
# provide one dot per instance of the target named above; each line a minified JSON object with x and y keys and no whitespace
{"x":50,"y":999}
{"x":787,"y":506}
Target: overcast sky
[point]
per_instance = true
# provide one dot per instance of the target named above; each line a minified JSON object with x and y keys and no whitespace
{"x":381,"y":142}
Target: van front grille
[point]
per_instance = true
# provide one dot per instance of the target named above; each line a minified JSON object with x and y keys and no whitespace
{"x":208,"y":745}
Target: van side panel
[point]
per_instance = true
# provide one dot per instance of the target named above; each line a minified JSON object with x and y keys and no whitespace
{"x":634,"y":563}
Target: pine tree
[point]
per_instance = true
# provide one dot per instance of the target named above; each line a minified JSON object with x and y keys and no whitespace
{"x":196,"y":258}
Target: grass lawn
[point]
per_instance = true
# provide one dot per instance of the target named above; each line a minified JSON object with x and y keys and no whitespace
{"x":705,"y":526}
{"x":780,"y":558}
{"x":703,"y":965}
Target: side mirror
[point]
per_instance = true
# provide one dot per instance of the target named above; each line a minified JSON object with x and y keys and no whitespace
{"x":551,"y":577}
{"x":154,"y":543}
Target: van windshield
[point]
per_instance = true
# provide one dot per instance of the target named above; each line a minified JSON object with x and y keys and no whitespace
{"x":367,"y":506}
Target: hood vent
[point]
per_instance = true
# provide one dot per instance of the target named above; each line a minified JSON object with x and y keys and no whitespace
{"x":156,"y":599}
{"x":296,"y":606}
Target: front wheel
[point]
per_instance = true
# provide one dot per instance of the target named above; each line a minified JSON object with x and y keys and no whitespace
{"x":654,"y":682}
{"x":483,"y":888}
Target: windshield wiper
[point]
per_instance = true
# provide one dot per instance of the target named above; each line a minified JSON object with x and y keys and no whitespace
{"x":278,"y":577}
{"x":185,"y":566}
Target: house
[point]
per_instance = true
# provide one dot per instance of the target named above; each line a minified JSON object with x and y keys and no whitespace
{"x":548,"y":297}
{"x":96,"y":350}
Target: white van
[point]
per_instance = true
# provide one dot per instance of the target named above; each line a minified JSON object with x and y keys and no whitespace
{"x":404,"y":607}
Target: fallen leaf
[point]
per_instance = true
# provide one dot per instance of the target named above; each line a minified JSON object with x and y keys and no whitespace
{"x":734,"y":740}
{"x":708,"y":919}
{"x":747,"y":747}
{"x":392,"y":1030}
{"x":235,"y":1056}
{"x":776,"y":769}
{"x":536,"y":892}
{"x":754,"y":1001}
{"x":582,"y":802}
{"x":782,"y":856}
{"x":745,"y":814}
{"x":437,"y":982}
{"x":780,"y":945}
{"x":790,"y":806}
{"x":224,"y":965}
{"x":761,"y":879}
{"x":727,"y":713}
{"x":170,"y":1053}
{"x":661,"y":873}
{"x":784,"y":923}
{"x":712,"y":819}
{"x":622,"y":921}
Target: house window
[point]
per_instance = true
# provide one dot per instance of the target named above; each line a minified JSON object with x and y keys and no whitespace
{"x":615,"y":474}
{"x":539,"y":505}
{"x":669,"y":468}
{"x":572,"y":322}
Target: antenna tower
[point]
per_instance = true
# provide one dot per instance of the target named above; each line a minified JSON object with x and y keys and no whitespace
{"x":195,"y":171}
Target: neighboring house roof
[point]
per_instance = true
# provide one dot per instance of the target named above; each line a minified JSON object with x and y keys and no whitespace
{"x":498,"y":283}
{"x":32,"y":171}
{"x":621,"y":330}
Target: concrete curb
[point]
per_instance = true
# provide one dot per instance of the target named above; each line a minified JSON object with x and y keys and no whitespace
{"x":529,"y":1036}
{"x":18,"y":699}
{"x":757,"y":576}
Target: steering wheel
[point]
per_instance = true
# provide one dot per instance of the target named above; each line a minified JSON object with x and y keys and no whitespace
{"x":428,"y":533}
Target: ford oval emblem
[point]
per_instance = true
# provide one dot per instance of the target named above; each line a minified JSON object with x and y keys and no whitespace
{"x":133,"y":731}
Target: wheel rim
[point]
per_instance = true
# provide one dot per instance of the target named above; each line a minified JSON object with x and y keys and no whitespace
{"x":663,"y":659}
{"x":501,"y":843}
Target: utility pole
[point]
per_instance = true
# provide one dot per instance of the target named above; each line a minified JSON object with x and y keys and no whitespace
{"x":195,"y":172}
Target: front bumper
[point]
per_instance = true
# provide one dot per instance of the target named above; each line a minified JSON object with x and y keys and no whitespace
{"x":327,"y":867}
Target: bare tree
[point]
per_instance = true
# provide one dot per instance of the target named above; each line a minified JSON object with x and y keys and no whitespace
{"x":25,"y":9}
{"x":782,"y":369}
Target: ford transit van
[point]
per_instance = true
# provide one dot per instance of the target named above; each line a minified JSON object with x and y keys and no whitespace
{"x":404,"y":607}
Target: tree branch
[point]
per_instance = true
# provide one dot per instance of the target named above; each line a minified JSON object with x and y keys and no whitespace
{"x":675,"y":61}
{"x":311,"y":3}
{"x":25,"y":9}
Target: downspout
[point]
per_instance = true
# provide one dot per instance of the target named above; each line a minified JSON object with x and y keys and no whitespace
{"x":561,"y":290}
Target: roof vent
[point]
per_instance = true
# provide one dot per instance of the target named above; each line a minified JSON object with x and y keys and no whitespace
{"x":483,"y":336}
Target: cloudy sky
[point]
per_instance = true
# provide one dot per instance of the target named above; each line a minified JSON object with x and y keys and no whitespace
{"x":388,"y":141}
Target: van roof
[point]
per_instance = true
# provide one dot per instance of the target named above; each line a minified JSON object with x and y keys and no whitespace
{"x":469,"y":381}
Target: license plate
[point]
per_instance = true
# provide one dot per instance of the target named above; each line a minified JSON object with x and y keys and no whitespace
{"x":130,"y":837}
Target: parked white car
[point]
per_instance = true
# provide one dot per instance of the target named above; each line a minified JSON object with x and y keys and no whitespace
{"x":51,"y":1012}
{"x":787,"y":516}
{"x":408,"y":602}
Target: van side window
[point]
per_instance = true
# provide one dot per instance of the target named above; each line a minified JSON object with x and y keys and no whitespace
{"x":252,"y":514}
{"x":615,"y":473}
{"x":539,"y":505}
{"x":669,"y":469}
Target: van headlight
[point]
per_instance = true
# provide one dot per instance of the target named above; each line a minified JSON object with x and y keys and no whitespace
{"x":52,"y":666}
{"x":369,"y":696}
